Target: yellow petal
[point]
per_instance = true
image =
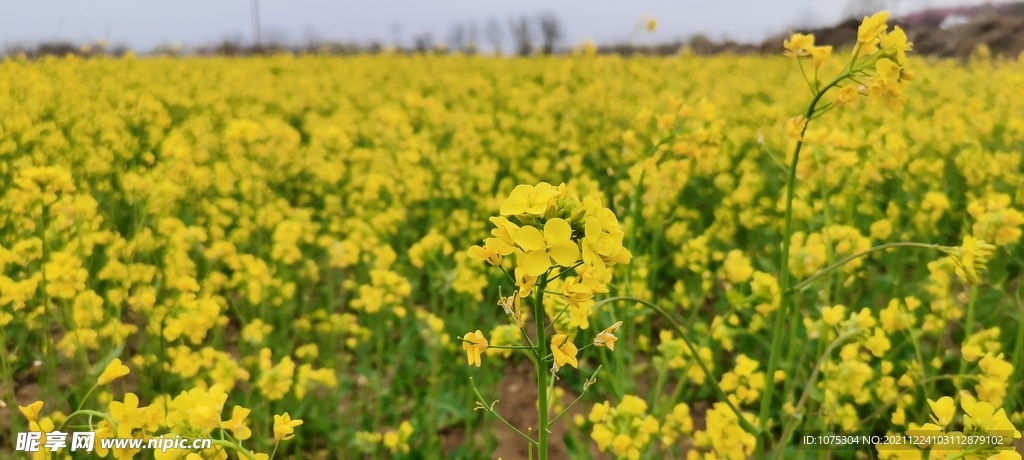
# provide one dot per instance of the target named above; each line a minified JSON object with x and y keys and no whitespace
{"x":536,"y":263}
{"x":530,"y":239}
{"x":565,"y":253}
{"x":557,"y":230}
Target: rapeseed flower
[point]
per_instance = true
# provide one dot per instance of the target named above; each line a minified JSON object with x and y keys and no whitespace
{"x":475,"y":344}
{"x":284,"y":427}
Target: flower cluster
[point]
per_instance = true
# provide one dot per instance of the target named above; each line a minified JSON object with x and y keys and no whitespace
{"x":625,"y":429}
{"x":557,"y":233}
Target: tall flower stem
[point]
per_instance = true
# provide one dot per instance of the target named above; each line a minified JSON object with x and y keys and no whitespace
{"x":799,"y":286}
{"x":542,"y":384}
{"x":781,"y":314}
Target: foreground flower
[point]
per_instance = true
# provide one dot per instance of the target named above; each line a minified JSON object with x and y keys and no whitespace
{"x":284,"y":427}
{"x":31,"y":412}
{"x":563,"y":351}
{"x":475,"y":345}
{"x":492,"y":251}
{"x":944,"y":410}
{"x":556,"y":243}
{"x":528,"y":199}
{"x":114,"y":371}
{"x":237,"y":423}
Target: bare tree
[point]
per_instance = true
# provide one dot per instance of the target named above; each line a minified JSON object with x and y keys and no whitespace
{"x":550,"y":32}
{"x":457,"y":37}
{"x":522,"y":35}
{"x":495,"y":36}
{"x":423,"y":42}
{"x":396,"y":36}
{"x":471,"y":39}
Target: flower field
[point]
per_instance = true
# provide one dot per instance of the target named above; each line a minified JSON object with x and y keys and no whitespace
{"x":352,"y":257}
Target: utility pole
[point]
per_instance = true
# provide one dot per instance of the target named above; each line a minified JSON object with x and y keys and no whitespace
{"x":256,"y":21}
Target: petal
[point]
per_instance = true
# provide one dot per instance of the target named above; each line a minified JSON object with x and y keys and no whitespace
{"x":621,"y":257}
{"x":536,"y":263}
{"x":592,"y":227}
{"x":499,"y":246}
{"x":477,"y":252}
{"x":530,"y":239}
{"x":557,"y":230}
{"x":516,"y":202}
{"x":131,"y":401}
{"x":565,"y":253}
{"x":538,"y":208}
{"x":513,"y":206}
{"x":559,"y":357}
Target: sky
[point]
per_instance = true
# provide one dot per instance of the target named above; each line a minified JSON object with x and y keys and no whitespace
{"x":144,"y":24}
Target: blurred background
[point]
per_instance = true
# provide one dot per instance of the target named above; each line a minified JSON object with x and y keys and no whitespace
{"x":937,"y":27}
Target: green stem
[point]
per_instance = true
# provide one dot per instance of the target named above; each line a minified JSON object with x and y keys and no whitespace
{"x":620,"y":366}
{"x":807,"y":390}
{"x":86,"y":397}
{"x":86,"y":412}
{"x":559,"y":316}
{"x":233,"y":446}
{"x":968,"y":329}
{"x":780,"y":318}
{"x":825,"y":271}
{"x":920,"y":358}
{"x":542,"y":387}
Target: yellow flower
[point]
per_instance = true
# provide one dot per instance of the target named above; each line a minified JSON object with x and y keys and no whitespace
{"x":798,"y":44}
{"x":795,"y":127}
{"x":504,"y":230}
{"x":555,"y":243}
{"x":971,"y":259}
{"x":113,"y":371}
{"x":871,"y":27}
{"x":475,"y":345}
{"x":878,"y":343}
{"x":128,"y":415}
{"x":563,"y":351}
{"x":885,"y":89}
{"x":819,"y":54}
{"x":833,"y":315}
{"x":31,"y":411}
{"x":602,"y":244}
{"x":524,"y":281}
{"x":528,"y":199}
{"x":492,"y":251}
{"x":580,"y":290}
{"x":943,"y":410}
{"x":284,"y":427}
{"x":606,"y":338}
{"x":895,"y":44}
{"x":846,"y":95}
{"x":237,"y":423}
